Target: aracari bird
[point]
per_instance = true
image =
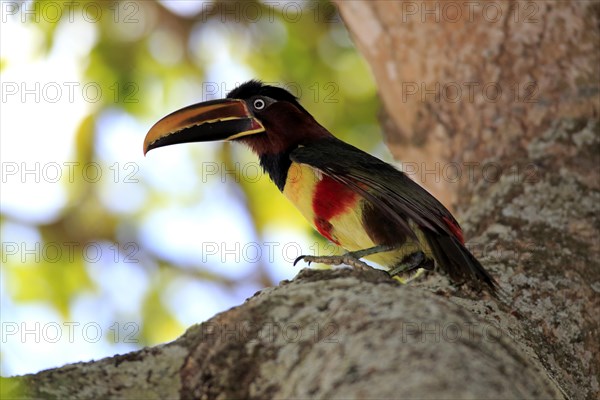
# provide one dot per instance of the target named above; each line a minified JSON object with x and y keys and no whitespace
{"x":368,"y":207}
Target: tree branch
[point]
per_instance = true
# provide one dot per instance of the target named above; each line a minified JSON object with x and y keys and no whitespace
{"x":326,"y":334}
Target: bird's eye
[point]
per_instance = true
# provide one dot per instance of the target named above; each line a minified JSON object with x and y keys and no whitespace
{"x":259,"y":104}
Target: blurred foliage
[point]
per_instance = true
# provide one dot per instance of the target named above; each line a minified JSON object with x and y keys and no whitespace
{"x":144,"y":54}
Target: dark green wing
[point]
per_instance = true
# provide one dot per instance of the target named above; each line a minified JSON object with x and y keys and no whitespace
{"x":384,"y":186}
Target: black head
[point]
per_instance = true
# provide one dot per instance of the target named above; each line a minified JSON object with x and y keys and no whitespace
{"x":287,"y":124}
{"x":256,"y":89}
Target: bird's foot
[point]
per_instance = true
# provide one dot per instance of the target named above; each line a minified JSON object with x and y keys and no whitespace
{"x":348,"y":259}
{"x":351,"y":258}
{"x":406,"y":278}
{"x":411,"y":263}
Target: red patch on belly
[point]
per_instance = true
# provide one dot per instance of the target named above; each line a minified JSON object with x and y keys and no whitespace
{"x":330,"y":198}
{"x":324,"y":227}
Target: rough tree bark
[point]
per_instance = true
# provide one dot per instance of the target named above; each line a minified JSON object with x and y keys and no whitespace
{"x":534,"y":224}
{"x":513,"y":88}
{"x":326,"y":334}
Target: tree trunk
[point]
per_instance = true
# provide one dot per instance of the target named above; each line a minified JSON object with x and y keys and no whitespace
{"x":494,"y":107}
{"x":524,"y":163}
{"x":326,"y":334}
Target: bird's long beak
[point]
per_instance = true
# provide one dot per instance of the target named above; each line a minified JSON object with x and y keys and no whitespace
{"x":213,"y":120}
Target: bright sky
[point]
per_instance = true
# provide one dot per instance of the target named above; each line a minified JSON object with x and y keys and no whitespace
{"x":42,"y":105}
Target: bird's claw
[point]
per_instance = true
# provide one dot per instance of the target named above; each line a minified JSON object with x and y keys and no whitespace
{"x":348,"y":259}
{"x":297,"y":260}
{"x":310,"y":259}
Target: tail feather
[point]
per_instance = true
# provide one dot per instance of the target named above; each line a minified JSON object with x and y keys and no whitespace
{"x":454,"y":259}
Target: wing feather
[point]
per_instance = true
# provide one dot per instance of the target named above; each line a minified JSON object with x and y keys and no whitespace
{"x":384,"y":186}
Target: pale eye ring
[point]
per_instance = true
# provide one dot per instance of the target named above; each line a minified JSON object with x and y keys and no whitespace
{"x":259,"y":104}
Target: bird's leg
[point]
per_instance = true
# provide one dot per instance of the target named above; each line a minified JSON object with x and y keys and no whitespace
{"x":411,"y":263}
{"x":370,"y":251}
{"x":351,"y":258}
